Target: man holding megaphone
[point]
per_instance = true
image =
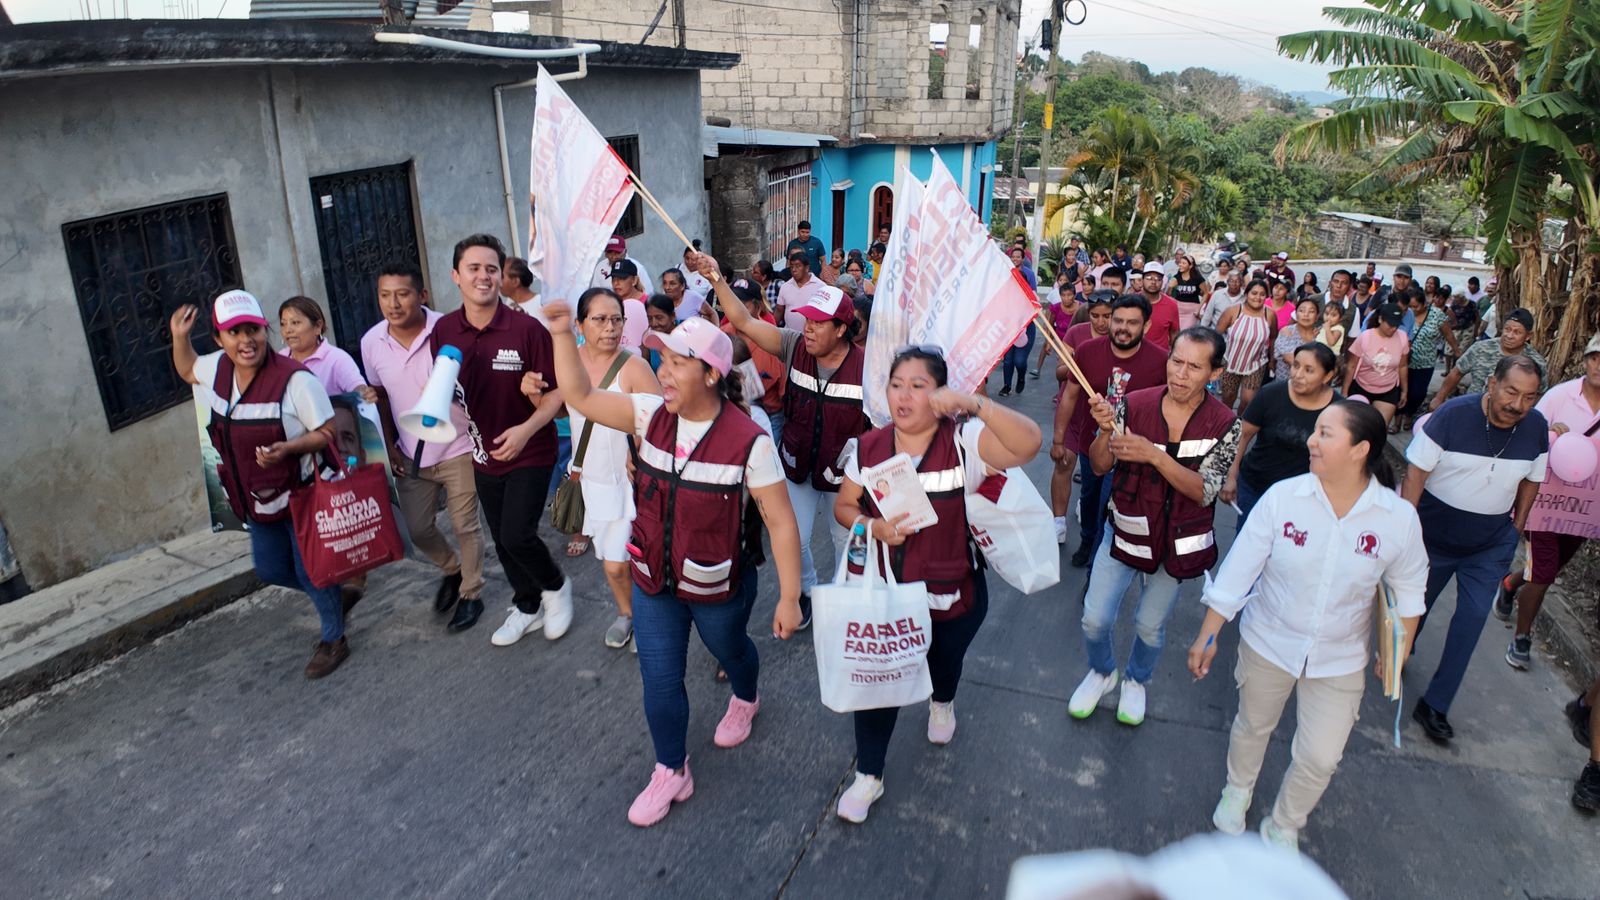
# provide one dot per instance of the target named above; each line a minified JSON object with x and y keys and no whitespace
{"x":513,"y":435}
{"x":395,"y":354}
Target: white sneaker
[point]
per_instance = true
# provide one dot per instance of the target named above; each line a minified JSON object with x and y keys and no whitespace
{"x":1278,"y":836}
{"x":517,"y":624}
{"x":1229,"y":814}
{"x":941,"y":722}
{"x":557,"y":605}
{"x":1130,"y":706}
{"x":1087,"y":697}
{"x":1061,"y":529}
{"x":855,"y":803}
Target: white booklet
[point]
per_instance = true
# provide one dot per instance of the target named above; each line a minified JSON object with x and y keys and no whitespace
{"x":896,"y":488}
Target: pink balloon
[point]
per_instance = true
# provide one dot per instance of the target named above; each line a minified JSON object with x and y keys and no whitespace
{"x":1573,"y":458}
{"x":1359,"y":398}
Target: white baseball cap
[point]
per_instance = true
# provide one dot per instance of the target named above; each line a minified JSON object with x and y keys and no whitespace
{"x":1280,"y":255}
{"x":828,"y":303}
{"x":234,"y":308}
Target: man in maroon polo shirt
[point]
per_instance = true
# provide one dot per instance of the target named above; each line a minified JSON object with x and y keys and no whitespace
{"x":1126,"y":351}
{"x":513,"y":439}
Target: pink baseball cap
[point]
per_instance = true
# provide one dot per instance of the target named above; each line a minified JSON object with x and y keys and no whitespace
{"x":697,"y":338}
{"x":828,"y":303}
{"x":233,"y":308}
{"x":616,"y":244}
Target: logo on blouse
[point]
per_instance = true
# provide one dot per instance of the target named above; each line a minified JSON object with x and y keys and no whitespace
{"x":1294,"y":534}
{"x":1367,"y":545}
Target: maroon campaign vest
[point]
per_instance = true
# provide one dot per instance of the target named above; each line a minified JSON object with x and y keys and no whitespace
{"x":692,"y":534}
{"x":820,"y":418}
{"x":942,"y":554}
{"x":254,"y":493}
{"x":1151,"y":521}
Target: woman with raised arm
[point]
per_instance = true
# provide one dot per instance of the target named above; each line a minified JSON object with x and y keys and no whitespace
{"x":822,"y":411}
{"x":704,"y":471}
{"x":956,"y":441}
{"x":1304,"y":569}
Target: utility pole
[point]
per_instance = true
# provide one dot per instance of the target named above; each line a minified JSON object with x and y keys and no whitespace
{"x":1049,"y":123}
{"x":1018,"y":99}
{"x":677,"y":19}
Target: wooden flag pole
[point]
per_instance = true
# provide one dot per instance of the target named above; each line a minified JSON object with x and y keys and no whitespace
{"x":650,"y":199}
{"x":1060,"y":347}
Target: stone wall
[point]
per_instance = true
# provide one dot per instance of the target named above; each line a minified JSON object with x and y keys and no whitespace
{"x":738,"y":197}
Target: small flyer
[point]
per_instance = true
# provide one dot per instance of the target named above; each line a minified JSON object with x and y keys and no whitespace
{"x":896,"y":489}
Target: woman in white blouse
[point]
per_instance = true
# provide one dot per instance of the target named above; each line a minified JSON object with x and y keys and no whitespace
{"x":1341,"y":528}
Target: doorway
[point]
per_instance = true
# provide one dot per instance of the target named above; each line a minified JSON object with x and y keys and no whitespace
{"x":838,"y":220}
{"x":365,"y":220}
{"x":882,"y":209}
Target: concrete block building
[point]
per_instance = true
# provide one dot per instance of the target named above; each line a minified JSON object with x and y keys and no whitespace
{"x":861,"y":87}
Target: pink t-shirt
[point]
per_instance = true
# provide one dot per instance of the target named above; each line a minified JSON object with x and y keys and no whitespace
{"x":1378,"y":359}
{"x":403,"y":373}
{"x":333,"y":367}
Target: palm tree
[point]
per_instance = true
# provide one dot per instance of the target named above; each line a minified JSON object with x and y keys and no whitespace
{"x":1502,"y":96}
{"x":1109,"y":147}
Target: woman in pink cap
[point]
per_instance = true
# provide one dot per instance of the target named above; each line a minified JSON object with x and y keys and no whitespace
{"x":270,"y":417}
{"x":706,"y":477}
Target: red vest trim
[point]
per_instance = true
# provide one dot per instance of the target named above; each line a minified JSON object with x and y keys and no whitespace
{"x":255,"y":421}
{"x":821,"y":418}
{"x":696,"y":513}
{"x":940,"y":555}
{"x":1152,"y":523}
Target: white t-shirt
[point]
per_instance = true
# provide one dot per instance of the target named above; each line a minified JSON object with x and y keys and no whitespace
{"x":967,"y":434}
{"x":693,"y":303}
{"x":305,"y":401}
{"x":793,"y":295}
{"x":761,"y":470}
{"x":697,"y":283}
{"x":602,"y":276}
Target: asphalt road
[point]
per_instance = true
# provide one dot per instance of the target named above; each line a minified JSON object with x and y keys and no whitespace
{"x":435,"y":765}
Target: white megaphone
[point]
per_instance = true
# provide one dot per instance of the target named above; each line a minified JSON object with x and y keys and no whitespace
{"x":430,"y":418}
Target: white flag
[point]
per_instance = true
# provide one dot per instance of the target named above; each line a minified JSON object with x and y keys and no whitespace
{"x":948,"y":285}
{"x":579,"y":188}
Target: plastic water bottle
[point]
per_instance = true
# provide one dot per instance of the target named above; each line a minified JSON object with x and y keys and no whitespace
{"x":856,"y":554}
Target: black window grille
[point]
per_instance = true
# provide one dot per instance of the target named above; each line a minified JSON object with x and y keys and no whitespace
{"x":130,"y":270}
{"x":632,"y":221}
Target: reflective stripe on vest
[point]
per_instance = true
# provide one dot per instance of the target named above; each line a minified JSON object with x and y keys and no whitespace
{"x":942,"y":481}
{"x":832,"y":390}
{"x":1194,"y":543}
{"x":1136,"y":525}
{"x":694,"y":471}
{"x":1139,"y":550}
{"x":1197,"y":447}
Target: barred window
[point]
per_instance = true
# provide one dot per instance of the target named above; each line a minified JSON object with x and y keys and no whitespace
{"x":632,"y":221}
{"x":130,"y":270}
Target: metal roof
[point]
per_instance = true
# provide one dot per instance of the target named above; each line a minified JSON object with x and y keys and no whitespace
{"x":766,"y":137}
{"x":1363,"y":218}
{"x":62,"y":48}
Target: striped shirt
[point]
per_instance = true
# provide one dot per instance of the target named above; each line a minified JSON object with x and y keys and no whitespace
{"x":1249,"y":342}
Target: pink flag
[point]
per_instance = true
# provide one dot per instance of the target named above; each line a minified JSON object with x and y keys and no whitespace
{"x":579,"y":188}
{"x":959,"y":292}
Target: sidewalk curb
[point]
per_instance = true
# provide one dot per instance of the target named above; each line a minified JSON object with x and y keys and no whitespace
{"x":166,"y":610}
{"x":1556,"y":624}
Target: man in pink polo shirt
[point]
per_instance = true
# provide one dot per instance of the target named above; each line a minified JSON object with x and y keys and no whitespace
{"x":396,"y":355}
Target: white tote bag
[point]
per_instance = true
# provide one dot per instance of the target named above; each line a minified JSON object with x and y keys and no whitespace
{"x":1015,"y":530}
{"x":871,"y":638}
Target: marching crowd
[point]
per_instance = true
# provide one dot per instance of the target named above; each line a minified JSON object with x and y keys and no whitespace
{"x":699,"y":431}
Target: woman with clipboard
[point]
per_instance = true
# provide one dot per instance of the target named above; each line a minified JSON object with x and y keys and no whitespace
{"x":1342,"y":528}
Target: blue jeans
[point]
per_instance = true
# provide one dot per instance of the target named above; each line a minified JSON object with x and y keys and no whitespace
{"x":1016,"y":360}
{"x":277,"y":558}
{"x":563,"y":456}
{"x":1094,"y":491}
{"x":1108,"y":583}
{"x":1477,"y":578}
{"x":661,"y":632}
{"x":1246,"y":501}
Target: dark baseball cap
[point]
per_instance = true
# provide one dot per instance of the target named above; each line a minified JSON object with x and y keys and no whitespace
{"x":1403,"y":269}
{"x":624,"y":268}
{"x":745,"y":291}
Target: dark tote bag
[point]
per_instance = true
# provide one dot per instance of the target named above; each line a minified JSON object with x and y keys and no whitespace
{"x":566,"y":513}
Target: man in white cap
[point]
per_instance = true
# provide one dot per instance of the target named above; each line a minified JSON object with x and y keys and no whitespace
{"x":617,"y":248}
{"x":1277,"y":269}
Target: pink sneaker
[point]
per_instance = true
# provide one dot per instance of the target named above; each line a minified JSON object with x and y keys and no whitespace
{"x":941,"y":722}
{"x":735,"y":725}
{"x":655,"y":801}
